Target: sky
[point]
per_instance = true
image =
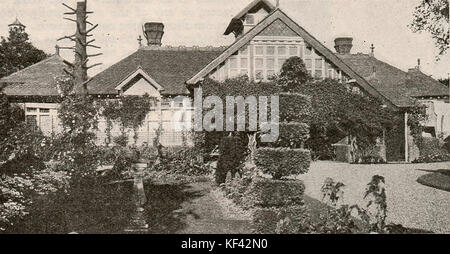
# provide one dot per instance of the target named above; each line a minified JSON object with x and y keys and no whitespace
{"x":383,"y":23}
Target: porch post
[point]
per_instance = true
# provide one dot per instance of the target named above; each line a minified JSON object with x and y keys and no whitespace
{"x":406,"y":138}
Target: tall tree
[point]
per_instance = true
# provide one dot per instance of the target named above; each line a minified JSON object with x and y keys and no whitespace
{"x":17,"y":52}
{"x":432,"y":16}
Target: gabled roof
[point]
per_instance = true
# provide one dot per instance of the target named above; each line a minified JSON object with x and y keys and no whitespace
{"x":398,"y":86}
{"x":35,"y":80}
{"x":253,"y":6}
{"x":319,"y":47}
{"x":169,"y":67}
{"x":137,"y":73}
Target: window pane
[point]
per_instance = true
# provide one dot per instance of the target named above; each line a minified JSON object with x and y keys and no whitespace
{"x":244,"y":50}
{"x":244,"y":72}
{"x":308,"y":63}
{"x":233,"y":63}
{"x":282,"y":50}
{"x":308,"y":50}
{"x":259,"y":63}
{"x":244,"y":62}
{"x":259,"y":50}
{"x":44,"y":110}
{"x":301,"y":52}
{"x":270,"y":50}
{"x":318,"y":64}
{"x":270,"y":63}
{"x":32,"y":110}
{"x":250,"y":19}
{"x":234,"y":73}
{"x":330,"y":73}
{"x":293,"y":51}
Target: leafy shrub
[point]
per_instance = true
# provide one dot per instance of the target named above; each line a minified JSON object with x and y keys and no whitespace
{"x":236,"y":189}
{"x":184,"y":160}
{"x":292,"y":135}
{"x":332,"y":192}
{"x":294,"y":107}
{"x":17,"y":192}
{"x":231,"y":157}
{"x":447,"y":144}
{"x":279,"y":220}
{"x":431,"y":151}
{"x":264,"y":192}
{"x":280,"y":162}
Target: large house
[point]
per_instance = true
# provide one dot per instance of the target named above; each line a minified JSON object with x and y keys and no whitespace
{"x":265,"y":37}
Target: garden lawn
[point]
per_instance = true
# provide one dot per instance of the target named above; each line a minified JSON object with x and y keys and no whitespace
{"x":409,"y":203}
{"x":439,"y":180}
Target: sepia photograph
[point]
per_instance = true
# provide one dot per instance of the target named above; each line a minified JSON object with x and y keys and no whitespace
{"x":243,"y":118}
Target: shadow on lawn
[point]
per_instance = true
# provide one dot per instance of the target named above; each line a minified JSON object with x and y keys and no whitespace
{"x":163,"y":206}
{"x":96,"y":208}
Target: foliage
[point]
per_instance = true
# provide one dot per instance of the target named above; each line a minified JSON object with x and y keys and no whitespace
{"x":78,"y":114}
{"x":264,"y":192}
{"x":232,"y":155}
{"x":23,"y":143}
{"x":293,"y":74}
{"x":292,"y":135}
{"x":431,"y":151}
{"x":280,"y":162}
{"x":432,"y":16}
{"x":17,"y":52}
{"x":17,"y":192}
{"x":332,"y":191}
{"x":183,"y":160}
{"x":88,"y":207}
{"x":129,"y":111}
{"x":295,"y":107}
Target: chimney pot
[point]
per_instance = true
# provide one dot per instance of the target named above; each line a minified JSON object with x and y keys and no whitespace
{"x":153,"y":32}
{"x":343,"y":45}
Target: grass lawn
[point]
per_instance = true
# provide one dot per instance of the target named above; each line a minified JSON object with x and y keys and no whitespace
{"x":439,"y":179}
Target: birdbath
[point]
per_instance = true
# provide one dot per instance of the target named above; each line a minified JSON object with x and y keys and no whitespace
{"x":140,"y":198}
{"x":138,"y":223}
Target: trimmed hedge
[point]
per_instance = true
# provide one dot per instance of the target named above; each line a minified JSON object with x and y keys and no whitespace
{"x":292,"y":135}
{"x":294,"y":107}
{"x":280,"y":162}
{"x":264,"y":192}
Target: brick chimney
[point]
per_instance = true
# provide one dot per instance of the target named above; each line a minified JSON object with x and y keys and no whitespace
{"x":153,"y":32}
{"x":343,"y":45}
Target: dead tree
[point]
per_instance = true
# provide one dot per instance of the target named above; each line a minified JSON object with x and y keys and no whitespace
{"x":78,"y":69}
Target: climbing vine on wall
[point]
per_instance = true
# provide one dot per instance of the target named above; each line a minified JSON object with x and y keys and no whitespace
{"x":129,"y":111}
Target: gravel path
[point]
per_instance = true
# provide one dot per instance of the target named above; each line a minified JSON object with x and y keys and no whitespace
{"x":212,"y":213}
{"x":409,"y":203}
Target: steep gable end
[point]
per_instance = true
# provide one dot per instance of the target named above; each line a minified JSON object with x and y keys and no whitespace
{"x":312,"y":42}
{"x":278,"y":28}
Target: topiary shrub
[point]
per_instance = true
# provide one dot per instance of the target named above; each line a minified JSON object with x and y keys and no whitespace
{"x":292,"y":135}
{"x":294,"y":107}
{"x":231,"y":158}
{"x":279,"y":162}
{"x":264,"y":192}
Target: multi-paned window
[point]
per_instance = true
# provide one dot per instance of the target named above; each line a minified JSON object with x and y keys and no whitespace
{"x":318,"y":66}
{"x":269,"y":59}
{"x":38,"y":118}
